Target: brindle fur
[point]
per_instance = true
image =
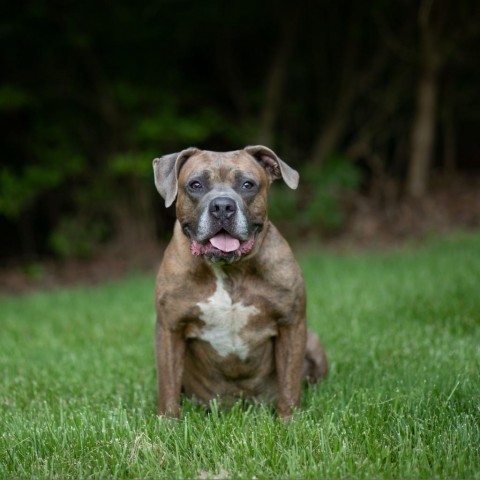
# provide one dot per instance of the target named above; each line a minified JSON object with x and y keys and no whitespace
{"x":267,"y":278}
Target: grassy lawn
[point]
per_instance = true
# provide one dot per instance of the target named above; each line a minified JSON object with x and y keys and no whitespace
{"x":402,"y":330}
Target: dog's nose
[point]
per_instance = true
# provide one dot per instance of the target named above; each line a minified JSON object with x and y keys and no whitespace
{"x":223,"y":208}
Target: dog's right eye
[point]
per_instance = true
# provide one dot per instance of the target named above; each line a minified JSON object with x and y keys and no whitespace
{"x":195,"y":185}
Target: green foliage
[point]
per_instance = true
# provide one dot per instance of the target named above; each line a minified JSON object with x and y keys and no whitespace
{"x":282,"y":203}
{"x":171,"y":125}
{"x":75,"y":237}
{"x":318,"y":201}
{"x":402,"y":329}
{"x":131,"y":164}
{"x":13,"y":98}
{"x":34,"y":271}
{"x":325,"y":188}
{"x":19,"y":190}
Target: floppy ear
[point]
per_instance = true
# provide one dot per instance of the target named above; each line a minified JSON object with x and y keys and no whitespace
{"x":166,"y":170}
{"x":274,"y":167}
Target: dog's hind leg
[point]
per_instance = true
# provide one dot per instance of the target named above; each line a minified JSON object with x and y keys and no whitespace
{"x":315,"y":364}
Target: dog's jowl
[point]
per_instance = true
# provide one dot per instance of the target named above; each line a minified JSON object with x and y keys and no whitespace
{"x":230,"y":297}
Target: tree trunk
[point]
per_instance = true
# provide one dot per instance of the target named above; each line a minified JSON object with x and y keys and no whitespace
{"x":423,"y":129}
{"x":449,"y":145}
{"x":332,"y":129}
{"x":353,"y":81}
{"x":423,"y":135}
{"x":329,"y":137}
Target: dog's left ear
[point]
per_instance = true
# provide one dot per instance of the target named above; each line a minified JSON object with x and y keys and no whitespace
{"x":166,"y":171}
{"x":274,"y":166}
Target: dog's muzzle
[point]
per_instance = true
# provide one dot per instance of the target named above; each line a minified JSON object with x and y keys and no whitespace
{"x":223,"y":233}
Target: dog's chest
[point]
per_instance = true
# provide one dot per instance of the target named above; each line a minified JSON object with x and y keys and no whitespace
{"x":224,"y":322}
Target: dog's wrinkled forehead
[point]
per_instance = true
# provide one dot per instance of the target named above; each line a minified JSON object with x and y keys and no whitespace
{"x":167,"y":168}
{"x":220,"y":167}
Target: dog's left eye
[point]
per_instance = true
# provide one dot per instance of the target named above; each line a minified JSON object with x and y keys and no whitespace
{"x":195,"y":185}
{"x":248,"y":185}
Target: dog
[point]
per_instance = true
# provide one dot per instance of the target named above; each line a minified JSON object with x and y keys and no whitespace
{"x":229,"y":296}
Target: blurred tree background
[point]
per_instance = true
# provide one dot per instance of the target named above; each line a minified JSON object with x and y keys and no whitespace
{"x":370,"y":99}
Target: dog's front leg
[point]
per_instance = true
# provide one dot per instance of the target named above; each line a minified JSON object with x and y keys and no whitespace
{"x":289,"y":355}
{"x":170,"y":354}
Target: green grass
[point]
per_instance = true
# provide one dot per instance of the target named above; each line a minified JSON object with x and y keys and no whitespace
{"x":402,"y":330}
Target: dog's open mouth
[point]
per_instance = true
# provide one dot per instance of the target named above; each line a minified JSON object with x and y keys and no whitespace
{"x":225,"y":242}
{"x":223,"y":246}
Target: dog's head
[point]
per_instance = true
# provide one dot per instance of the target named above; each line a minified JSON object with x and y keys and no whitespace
{"x":221,"y":197}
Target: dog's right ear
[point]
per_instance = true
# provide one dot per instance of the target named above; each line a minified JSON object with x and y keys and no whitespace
{"x":166,"y":170}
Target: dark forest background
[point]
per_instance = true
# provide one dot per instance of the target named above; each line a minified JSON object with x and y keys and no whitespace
{"x":376,"y":103}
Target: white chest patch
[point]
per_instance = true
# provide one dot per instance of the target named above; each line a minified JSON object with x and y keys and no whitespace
{"x":224,"y":321}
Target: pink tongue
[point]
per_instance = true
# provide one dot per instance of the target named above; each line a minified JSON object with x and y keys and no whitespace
{"x":225,"y":242}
